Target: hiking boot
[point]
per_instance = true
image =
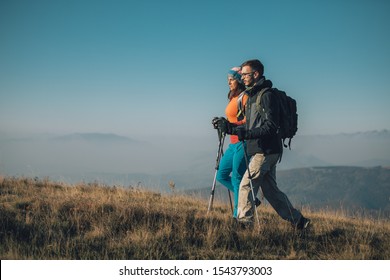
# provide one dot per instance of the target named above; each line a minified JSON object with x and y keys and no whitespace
{"x":303,"y":223}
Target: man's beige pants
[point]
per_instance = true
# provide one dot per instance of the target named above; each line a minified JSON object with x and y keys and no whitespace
{"x":263,"y":171}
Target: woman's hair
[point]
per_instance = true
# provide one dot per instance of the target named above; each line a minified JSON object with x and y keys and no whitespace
{"x":241,"y":88}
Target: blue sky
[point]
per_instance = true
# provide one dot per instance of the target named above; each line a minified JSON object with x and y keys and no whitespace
{"x":158,"y":68}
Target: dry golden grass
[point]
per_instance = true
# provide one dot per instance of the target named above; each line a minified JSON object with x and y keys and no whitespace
{"x":41,"y":219}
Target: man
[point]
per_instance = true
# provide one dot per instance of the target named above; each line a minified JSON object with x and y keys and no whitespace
{"x":264,"y":145}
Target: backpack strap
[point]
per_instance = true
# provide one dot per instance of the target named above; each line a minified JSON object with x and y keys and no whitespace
{"x":258,"y":99}
{"x":240,"y":106}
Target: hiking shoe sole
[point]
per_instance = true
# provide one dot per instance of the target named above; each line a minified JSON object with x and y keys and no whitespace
{"x":303,"y":223}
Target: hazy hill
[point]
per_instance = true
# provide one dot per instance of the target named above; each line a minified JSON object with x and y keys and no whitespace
{"x":102,"y":138}
{"x":366,"y":149}
{"x":339,"y":187}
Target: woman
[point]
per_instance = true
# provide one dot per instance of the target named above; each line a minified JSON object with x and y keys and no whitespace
{"x":232,"y":165}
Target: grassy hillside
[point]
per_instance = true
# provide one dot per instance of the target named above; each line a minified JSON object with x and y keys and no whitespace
{"x":40,"y":219}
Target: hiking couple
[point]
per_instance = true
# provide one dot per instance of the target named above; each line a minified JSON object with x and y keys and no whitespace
{"x":253,"y":132}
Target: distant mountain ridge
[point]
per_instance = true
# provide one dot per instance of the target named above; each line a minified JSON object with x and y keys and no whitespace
{"x":385,"y":133}
{"x":95,"y":137}
{"x":382,"y":133}
{"x":370,"y":148}
{"x":339,"y":187}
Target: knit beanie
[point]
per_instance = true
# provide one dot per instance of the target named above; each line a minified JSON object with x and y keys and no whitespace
{"x":235,"y":73}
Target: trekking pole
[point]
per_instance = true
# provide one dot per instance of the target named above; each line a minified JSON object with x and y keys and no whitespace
{"x":250,"y":183}
{"x":221,"y":137}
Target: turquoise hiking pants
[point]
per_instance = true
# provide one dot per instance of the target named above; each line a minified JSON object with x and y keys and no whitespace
{"x":231,"y":169}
